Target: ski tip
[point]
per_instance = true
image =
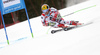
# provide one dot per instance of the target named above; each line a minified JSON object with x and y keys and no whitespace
{"x":53,"y":31}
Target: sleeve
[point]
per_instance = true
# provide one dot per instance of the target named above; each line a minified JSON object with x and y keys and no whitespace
{"x":54,"y":13}
{"x":53,"y":9}
{"x":44,"y":22}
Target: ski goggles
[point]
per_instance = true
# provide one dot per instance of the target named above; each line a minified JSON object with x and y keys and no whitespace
{"x":45,"y":10}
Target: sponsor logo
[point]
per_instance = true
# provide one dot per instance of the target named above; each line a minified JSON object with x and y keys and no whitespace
{"x":7,"y":1}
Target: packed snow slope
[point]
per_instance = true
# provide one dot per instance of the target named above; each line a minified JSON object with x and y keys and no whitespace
{"x":80,"y":41}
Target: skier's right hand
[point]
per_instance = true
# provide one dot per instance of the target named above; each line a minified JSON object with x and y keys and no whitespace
{"x":51,"y":24}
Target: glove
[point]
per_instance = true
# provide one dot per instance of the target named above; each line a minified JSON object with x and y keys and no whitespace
{"x":51,"y":24}
{"x":54,"y":24}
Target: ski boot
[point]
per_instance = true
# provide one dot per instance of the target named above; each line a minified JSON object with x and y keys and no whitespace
{"x":75,"y":23}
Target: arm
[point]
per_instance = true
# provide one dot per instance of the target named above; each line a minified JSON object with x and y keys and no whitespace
{"x":55,"y":14}
{"x":48,"y":22}
{"x":44,"y":21}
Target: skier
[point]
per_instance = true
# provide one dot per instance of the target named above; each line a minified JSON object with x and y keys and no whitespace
{"x":51,"y":17}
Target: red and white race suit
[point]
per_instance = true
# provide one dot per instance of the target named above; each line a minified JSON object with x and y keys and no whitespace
{"x":53,"y":19}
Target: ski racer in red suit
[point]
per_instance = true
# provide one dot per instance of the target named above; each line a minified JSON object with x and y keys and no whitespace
{"x":51,"y":17}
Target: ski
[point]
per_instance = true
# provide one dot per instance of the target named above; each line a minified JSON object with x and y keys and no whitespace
{"x":69,"y":28}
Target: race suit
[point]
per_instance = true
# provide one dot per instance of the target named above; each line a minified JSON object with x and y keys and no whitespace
{"x":54,"y":19}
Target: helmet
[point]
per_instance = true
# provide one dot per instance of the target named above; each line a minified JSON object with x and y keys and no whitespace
{"x":45,"y":8}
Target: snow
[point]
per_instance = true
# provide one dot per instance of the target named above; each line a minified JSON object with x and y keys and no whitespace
{"x":80,"y":41}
